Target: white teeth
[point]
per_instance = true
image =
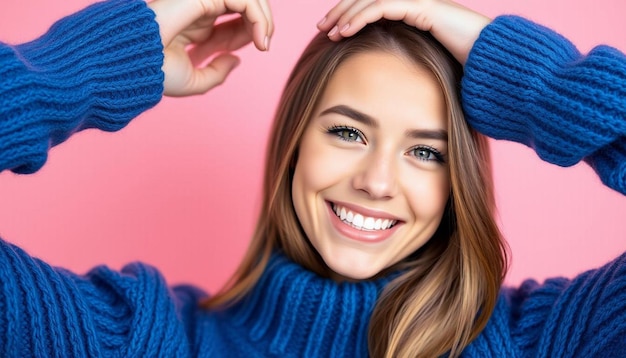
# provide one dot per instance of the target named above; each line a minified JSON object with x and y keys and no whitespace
{"x":358,"y":220}
{"x":362,"y":222}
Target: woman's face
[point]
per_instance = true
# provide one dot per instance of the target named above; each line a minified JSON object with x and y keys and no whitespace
{"x":371,"y":180}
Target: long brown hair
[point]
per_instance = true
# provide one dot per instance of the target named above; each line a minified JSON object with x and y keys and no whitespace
{"x":449,"y":287}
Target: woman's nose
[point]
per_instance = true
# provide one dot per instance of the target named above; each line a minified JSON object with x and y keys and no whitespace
{"x":377,"y":176}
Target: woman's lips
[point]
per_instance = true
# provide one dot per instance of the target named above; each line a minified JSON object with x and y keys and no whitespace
{"x":357,"y":231}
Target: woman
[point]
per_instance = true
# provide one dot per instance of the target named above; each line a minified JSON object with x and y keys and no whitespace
{"x":278,"y":307}
{"x":355,"y":196}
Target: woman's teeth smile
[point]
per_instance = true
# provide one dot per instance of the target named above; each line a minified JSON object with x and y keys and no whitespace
{"x":360,"y":221}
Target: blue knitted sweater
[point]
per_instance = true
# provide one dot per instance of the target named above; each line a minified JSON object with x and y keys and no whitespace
{"x":101,"y":67}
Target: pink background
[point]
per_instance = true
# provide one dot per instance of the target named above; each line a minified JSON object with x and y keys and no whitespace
{"x":179,"y":187}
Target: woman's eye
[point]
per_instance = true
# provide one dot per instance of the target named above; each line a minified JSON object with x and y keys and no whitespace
{"x":427,"y":154}
{"x":347,"y":133}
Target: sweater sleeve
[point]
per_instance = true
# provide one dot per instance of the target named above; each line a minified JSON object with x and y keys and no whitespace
{"x":525,"y":83}
{"x":46,"y":311}
{"x":581,"y":317}
{"x":98,"y":68}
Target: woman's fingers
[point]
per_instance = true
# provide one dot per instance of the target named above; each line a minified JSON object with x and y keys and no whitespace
{"x":190,"y":37}
{"x":225,"y":37}
{"x":341,"y":27}
{"x":331,"y":18}
{"x":267,"y":10}
{"x":455,"y":26}
{"x":185,"y":81}
{"x":256,"y":13}
{"x":348,"y":20}
{"x":214,"y":74}
{"x":195,"y":77}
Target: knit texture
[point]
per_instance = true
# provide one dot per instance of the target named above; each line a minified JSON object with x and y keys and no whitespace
{"x":51,"y":312}
{"x":291,"y":312}
{"x":527,"y":84}
{"x":98,"y":68}
{"x":583,"y":317}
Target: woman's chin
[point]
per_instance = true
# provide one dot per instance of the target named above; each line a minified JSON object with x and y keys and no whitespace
{"x":352,"y":267}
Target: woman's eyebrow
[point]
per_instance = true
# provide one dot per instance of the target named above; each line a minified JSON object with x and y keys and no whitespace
{"x":352,"y":113}
{"x":437,"y":134}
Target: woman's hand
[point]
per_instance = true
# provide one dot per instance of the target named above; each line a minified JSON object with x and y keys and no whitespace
{"x":191,"y":36}
{"x":455,"y":26}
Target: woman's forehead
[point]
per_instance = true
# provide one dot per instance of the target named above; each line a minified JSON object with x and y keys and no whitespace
{"x":383,"y":86}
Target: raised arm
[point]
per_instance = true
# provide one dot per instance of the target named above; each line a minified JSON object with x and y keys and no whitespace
{"x":99,"y":68}
{"x":523,"y":82}
{"x":103,"y":66}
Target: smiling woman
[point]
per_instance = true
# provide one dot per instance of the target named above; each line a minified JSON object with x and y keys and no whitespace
{"x":363,"y":182}
{"x":360,"y":154}
{"x":376,"y":235}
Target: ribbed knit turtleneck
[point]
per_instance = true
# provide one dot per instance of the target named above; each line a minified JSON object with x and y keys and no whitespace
{"x":292,"y":312}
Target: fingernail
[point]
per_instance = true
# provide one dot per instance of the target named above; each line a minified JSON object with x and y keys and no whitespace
{"x":345,"y":28}
{"x":266,"y":42}
{"x":333,"y":31}
{"x":322,"y":21}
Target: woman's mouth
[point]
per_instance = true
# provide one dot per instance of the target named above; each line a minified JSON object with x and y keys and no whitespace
{"x":361,"y":221}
